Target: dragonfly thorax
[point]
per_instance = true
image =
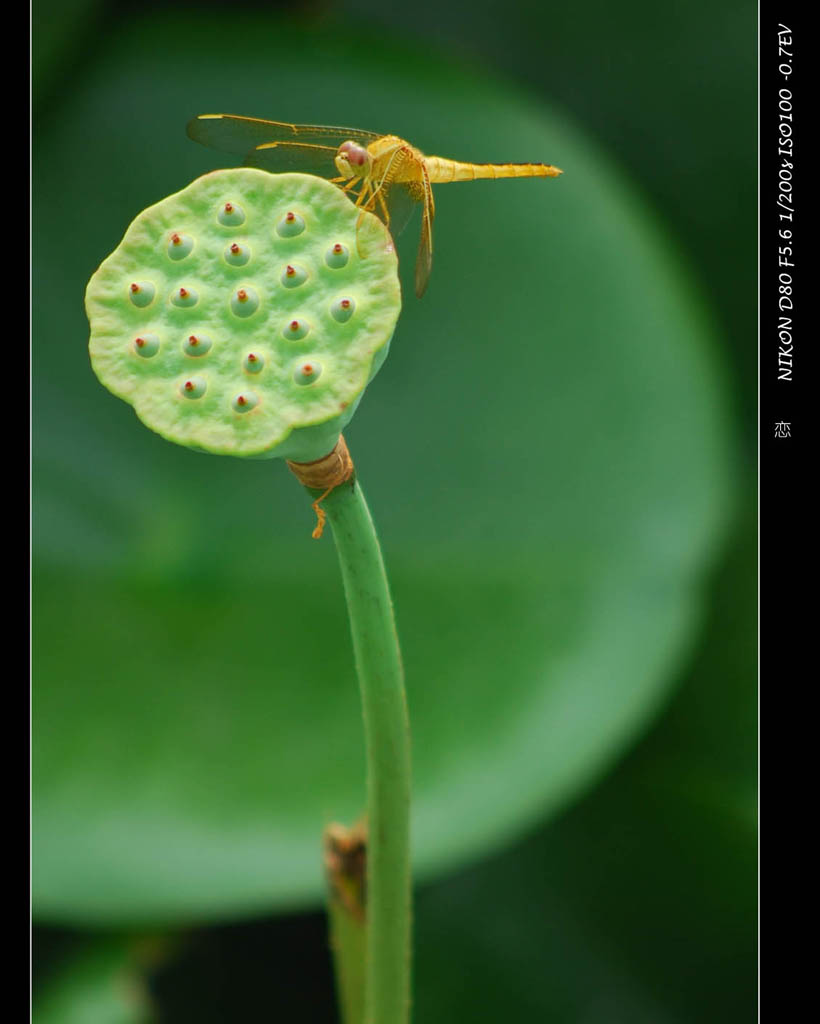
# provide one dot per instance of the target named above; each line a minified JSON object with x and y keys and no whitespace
{"x":353,"y":160}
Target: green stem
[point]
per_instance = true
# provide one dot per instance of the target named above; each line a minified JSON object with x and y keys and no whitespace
{"x":387,"y":737}
{"x":348,"y":942}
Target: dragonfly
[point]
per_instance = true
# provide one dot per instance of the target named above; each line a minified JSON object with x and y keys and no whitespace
{"x":385,"y":174}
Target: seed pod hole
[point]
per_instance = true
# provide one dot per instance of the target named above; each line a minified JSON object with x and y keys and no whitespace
{"x":196,"y":345}
{"x":244,"y":302}
{"x":193,"y":387}
{"x":146,"y":345}
{"x":230,"y":214}
{"x":292,"y":276}
{"x":253,"y":362}
{"x":184,"y":297}
{"x":237,"y":254}
{"x":290,"y":225}
{"x":179,"y":246}
{"x":342,"y":309}
{"x":307,"y":372}
{"x":141,"y":293}
{"x":337,"y":256}
{"x":295,"y":329}
{"x":245,"y":401}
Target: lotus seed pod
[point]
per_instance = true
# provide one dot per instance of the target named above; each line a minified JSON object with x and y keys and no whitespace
{"x":222,"y":318}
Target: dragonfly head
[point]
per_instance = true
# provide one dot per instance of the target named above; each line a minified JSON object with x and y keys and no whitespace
{"x":353,"y":160}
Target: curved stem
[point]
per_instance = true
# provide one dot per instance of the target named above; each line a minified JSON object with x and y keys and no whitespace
{"x":387,"y":736}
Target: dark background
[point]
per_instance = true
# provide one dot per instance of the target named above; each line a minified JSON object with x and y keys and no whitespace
{"x":642,"y":896}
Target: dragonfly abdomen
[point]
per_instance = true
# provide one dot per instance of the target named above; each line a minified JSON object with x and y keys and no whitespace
{"x":441,"y":170}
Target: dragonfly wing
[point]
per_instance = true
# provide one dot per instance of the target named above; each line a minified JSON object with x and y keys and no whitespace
{"x":294,"y":156}
{"x":232,"y":133}
{"x":401,"y":204}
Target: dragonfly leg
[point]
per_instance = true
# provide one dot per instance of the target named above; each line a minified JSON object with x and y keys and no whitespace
{"x":366,"y":196}
{"x":367,"y":201}
{"x":384,"y":209}
{"x":345,"y":188}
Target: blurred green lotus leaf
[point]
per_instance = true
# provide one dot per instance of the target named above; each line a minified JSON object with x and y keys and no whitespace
{"x":101,"y":981}
{"x":546,"y":454}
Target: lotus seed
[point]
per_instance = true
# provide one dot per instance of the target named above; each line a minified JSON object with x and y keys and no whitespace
{"x":342,"y":310}
{"x":245,"y":401}
{"x":141,"y":293}
{"x":237,"y":255}
{"x":184,"y":298}
{"x":253,"y":362}
{"x":296,"y":329}
{"x":337,"y":256}
{"x":307,"y":373}
{"x":146,"y":345}
{"x":180,"y":246}
{"x":290,"y":225}
{"x":292,"y":277}
{"x":231,"y":215}
{"x":193,"y":387}
{"x":196,"y":345}
{"x":244,"y":301}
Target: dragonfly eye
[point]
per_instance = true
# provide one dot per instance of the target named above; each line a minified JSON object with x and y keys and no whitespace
{"x":356,"y":155}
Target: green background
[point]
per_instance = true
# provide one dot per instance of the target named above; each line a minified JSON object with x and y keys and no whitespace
{"x":635,"y":903}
